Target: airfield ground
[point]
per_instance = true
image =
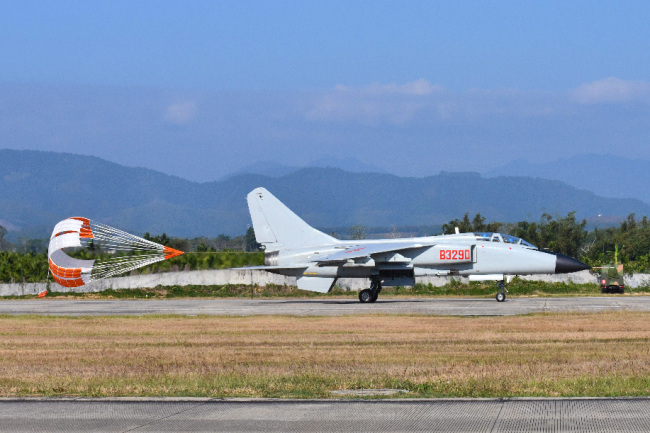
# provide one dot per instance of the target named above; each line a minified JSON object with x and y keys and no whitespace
{"x":570,"y":354}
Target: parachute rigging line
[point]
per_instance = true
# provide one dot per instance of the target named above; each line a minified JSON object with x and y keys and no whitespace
{"x":117,"y":251}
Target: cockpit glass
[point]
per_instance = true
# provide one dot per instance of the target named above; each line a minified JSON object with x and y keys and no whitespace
{"x":527,"y":244}
{"x":500,"y":237}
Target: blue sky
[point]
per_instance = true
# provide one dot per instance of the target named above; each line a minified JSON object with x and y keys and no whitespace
{"x":199,"y":89}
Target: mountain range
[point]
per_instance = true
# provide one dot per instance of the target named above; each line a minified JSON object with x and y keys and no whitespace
{"x":37,"y":189}
{"x":277,"y":169}
{"x":606,"y":175}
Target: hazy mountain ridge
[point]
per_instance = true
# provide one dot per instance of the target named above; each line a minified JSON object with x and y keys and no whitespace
{"x":37,"y":189}
{"x":276,"y":169}
{"x":605,"y":175}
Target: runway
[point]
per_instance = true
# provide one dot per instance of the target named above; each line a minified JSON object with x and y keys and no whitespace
{"x":323,"y":307}
{"x":203,"y":415}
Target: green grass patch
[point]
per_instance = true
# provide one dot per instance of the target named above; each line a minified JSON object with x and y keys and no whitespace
{"x":518,"y":287}
{"x":207,"y":291}
{"x":316,"y":386}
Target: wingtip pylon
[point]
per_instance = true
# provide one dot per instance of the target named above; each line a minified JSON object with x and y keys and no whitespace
{"x":170,"y":252}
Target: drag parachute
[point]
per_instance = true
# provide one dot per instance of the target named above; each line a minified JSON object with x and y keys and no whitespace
{"x":116,"y":251}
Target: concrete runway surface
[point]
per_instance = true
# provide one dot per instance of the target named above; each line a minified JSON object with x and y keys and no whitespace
{"x":206,"y":415}
{"x":323,"y":307}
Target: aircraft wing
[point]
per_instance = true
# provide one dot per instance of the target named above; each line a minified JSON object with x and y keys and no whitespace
{"x":360,"y":251}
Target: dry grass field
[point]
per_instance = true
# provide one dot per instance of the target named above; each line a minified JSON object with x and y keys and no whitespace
{"x":539,"y":355}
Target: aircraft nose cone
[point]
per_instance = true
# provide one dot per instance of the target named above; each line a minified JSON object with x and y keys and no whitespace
{"x":565,"y":264}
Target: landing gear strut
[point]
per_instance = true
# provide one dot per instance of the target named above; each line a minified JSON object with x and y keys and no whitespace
{"x":371,"y":294}
{"x":501,"y":294}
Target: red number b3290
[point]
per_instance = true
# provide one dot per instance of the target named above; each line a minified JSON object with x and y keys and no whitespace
{"x":454,"y":254}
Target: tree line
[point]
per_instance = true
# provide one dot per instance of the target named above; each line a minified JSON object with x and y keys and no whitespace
{"x":628,"y":243}
{"x":26,"y":260}
{"x":246,"y":243}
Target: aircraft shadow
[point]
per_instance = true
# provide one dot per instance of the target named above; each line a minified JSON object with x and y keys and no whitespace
{"x":348,"y":301}
{"x":380,"y":301}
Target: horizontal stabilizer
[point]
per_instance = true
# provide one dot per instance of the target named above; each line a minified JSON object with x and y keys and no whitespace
{"x":368,"y":250}
{"x":315,"y":284}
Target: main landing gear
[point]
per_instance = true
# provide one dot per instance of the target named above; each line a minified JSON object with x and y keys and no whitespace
{"x":371,"y":294}
{"x":501,"y":294}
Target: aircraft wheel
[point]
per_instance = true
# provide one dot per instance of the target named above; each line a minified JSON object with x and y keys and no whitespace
{"x":365,"y":296}
{"x":374,"y":297}
{"x":501,"y":297}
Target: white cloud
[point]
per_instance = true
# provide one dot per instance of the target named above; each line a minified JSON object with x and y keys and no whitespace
{"x":611,"y":90}
{"x":416,"y":88}
{"x":393,"y":103}
{"x":423,"y":103}
{"x":180,"y":113}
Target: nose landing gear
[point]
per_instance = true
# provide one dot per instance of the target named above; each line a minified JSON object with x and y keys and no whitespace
{"x":501,"y":294}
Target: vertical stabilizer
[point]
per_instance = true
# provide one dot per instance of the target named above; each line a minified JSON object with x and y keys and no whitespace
{"x":274,"y":223}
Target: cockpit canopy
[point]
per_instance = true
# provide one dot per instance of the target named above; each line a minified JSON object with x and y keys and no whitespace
{"x":500,"y":237}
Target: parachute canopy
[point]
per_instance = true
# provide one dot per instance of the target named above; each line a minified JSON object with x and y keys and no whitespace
{"x":115,"y":252}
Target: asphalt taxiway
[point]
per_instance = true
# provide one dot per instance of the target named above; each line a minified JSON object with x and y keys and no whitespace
{"x":323,"y":307}
{"x":203,"y":415}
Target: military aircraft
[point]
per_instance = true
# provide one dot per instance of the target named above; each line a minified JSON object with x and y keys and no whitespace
{"x":294,"y":248}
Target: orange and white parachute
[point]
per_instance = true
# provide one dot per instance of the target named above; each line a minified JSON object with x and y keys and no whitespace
{"x":126,"y":252}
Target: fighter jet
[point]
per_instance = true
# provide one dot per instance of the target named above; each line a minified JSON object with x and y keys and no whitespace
{"x":294,"y":248}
